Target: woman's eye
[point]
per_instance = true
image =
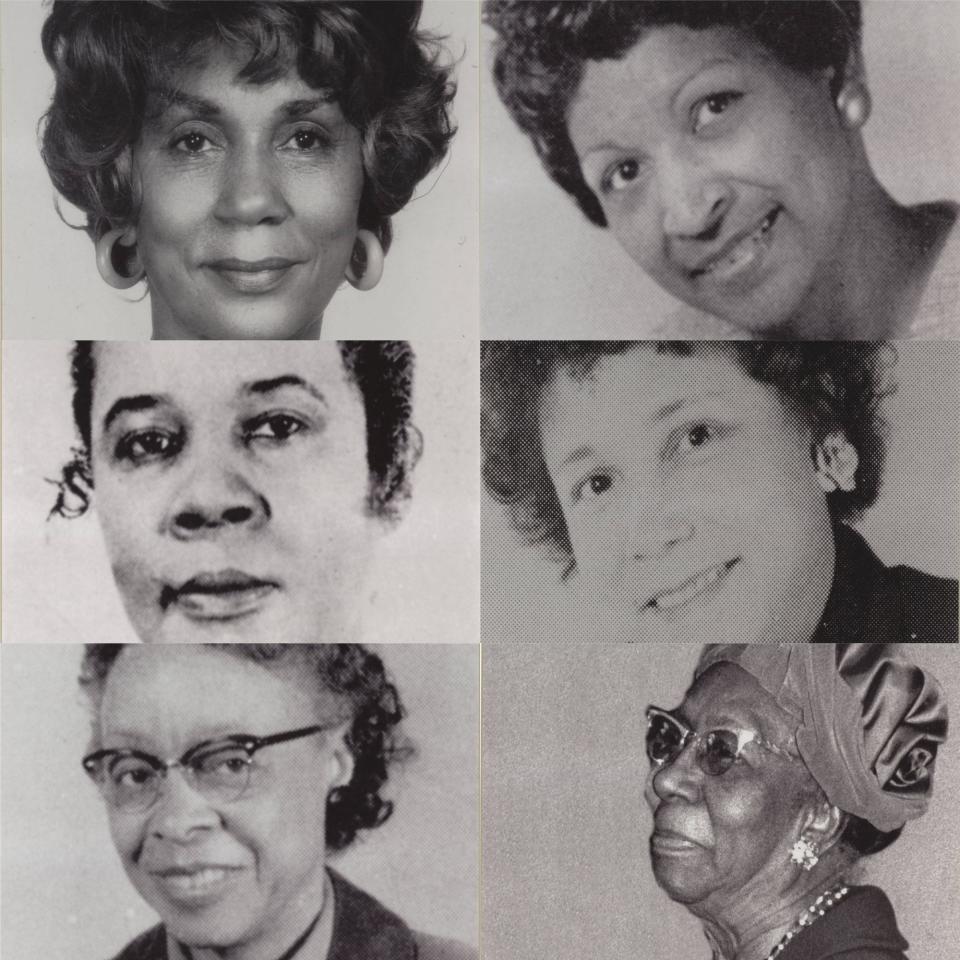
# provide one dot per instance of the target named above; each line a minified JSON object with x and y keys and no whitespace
{"x":280,"y":426}
{"x":593,"y":487}
{"x":707,"y":110}
{"x":147,"y":445}
{"x":307,"y":140}
{"x":621,"y":176}
{"x":692,"y":439}
{"x":192,"y":142}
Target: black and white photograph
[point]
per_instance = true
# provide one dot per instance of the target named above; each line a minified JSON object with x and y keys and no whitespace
{"x":220,"y":801}
{"x":182,"y":170}
{"x":706,"y":492}
{"x":762,"y":802}
{"x":704,"y":170}
{"x":240,"y":491}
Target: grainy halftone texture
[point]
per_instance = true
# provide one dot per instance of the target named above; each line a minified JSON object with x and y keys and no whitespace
{"x":531,"y":587}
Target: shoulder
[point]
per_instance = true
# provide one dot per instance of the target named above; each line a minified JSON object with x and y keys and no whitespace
{"x":928,"y":604}
{"x":151,"y":945}
{"x":862,"y":926}
{"x":437,"y":948}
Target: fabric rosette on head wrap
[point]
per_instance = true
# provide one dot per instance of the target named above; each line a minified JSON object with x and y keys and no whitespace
{"x":868,"y":720}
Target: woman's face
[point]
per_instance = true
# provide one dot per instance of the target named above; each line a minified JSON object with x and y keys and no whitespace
{"x":690,"y":497}
{"x":249,"y":201}
{"x":231,"y":484}
{"x":725,"y":175}
{"x":722,"y":840}
{"x":221,"y":874}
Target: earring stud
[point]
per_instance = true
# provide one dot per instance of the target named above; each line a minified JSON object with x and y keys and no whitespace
{"x":804,"y":853}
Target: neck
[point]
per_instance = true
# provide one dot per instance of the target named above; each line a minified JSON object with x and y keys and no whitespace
{"x":874,"y":287}
{"x":749,"y":927}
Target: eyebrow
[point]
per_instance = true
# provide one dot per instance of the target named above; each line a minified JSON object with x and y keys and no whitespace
{"x":260,"y":387}
{"x":136,"y":404}
{"x":585,"y":451}
{"x":170,"y":98}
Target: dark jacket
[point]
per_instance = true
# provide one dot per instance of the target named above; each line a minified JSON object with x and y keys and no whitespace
{"x":862,"y":926}
{"x":874,"y":603}
{"x":363,"y":929}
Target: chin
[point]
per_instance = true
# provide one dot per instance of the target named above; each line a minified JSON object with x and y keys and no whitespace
{"x":678,"y":885}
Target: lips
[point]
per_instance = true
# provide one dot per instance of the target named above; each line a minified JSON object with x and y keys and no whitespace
{"x":671,"y":842}
{"x":220,"y":595}
{"x":197,"y":884}
{"x":252,"y":276}
{"x":704,"y":582}
{"x":740,"y":253}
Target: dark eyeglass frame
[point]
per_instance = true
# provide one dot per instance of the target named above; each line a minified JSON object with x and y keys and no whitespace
{"x":689,"y":735}
{"x":94,"y":764}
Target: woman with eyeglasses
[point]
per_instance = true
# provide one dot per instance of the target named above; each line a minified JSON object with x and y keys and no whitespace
{"x":231,"y":773}
{"x":782,"y":768}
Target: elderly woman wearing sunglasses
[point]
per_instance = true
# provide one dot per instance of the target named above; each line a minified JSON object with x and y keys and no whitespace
{"x":780,"y":770}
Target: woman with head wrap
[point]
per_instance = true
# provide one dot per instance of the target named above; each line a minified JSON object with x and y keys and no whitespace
{"x":782,"y":768}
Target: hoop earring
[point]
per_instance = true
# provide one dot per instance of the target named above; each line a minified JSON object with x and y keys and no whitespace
{"x":120,"y":268}
{"x":366,"y":262}
{"x":854,"y":105}
{"x":804,"y":853}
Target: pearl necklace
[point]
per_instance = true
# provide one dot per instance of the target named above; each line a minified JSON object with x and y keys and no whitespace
{"x":813,"y":913}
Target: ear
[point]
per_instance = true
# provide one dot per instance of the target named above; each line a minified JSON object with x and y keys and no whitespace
{"x":836,"y":461}
{"x":825,"y":823}
{"x":341,"y":761}
{"x":851,"y":93}
{"x":366,"y":262}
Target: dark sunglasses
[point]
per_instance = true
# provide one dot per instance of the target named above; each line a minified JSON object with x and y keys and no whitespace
{"x":716,"y":750}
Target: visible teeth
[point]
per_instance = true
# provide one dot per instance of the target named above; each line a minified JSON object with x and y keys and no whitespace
{"x":197,"y":882}
{"x":745,"y":250}
{"x":677,"y":598}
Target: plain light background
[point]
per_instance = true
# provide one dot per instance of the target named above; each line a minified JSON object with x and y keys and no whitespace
{"x":64,"y":891}
{"x":57,"y":583}
{"x":51,"y":287}
{"x":915,"y":521}
{"x":547,"y":272}
{"x":566,"y":870}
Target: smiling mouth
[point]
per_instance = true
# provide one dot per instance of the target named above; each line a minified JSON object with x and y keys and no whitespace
{"x":741,"y":254}
{"x":225,"y":595}
{"x":193,"y":886}
{"x":252,"y":276}
{"x":704,"y":582}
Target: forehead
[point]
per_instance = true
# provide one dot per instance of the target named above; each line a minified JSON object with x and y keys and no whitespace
{"x":198,"y":374}
{"x":216,"y":81}
{"x":642,"y":386}
{"x":178,"y":693}
{"x":727,"y":693}
{"x":615,"y":95}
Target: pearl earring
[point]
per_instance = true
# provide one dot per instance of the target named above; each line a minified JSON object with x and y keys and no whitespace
{"x":853,"y":105}
{"x":804,"y":853}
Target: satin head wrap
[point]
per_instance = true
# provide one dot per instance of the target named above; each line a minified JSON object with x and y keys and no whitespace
{"x":868,"y":720}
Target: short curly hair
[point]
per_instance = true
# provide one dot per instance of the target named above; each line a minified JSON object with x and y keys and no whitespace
{"x":837,"y":386}
{"x":383,"y":373}
{"x":359,"y":681}
{"x":390,"y":79}
{"x":543,"y":46}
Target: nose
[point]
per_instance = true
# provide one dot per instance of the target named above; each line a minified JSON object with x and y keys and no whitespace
{"x":180,"y":812}
{"x":653,"y":528}
{"x":678,"y":778}
{"x":694,"y":198}
{"x":251,"y":192}
{"x":213,"y":500}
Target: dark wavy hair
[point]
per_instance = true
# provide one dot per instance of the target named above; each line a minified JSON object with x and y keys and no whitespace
{"x":358,"y":680}
{"x":837,"y":386}
{"x":381,"y":369}
{"x":390,"y":79}
{"x":543,"y":46}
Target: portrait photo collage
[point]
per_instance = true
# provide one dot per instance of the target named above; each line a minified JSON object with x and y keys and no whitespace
{"x":611,"y":611}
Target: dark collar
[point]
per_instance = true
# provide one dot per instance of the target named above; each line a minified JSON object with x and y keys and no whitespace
{"x":364,"y":929}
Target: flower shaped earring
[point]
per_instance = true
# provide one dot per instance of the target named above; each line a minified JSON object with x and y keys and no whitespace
{"x":804,"y":853}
